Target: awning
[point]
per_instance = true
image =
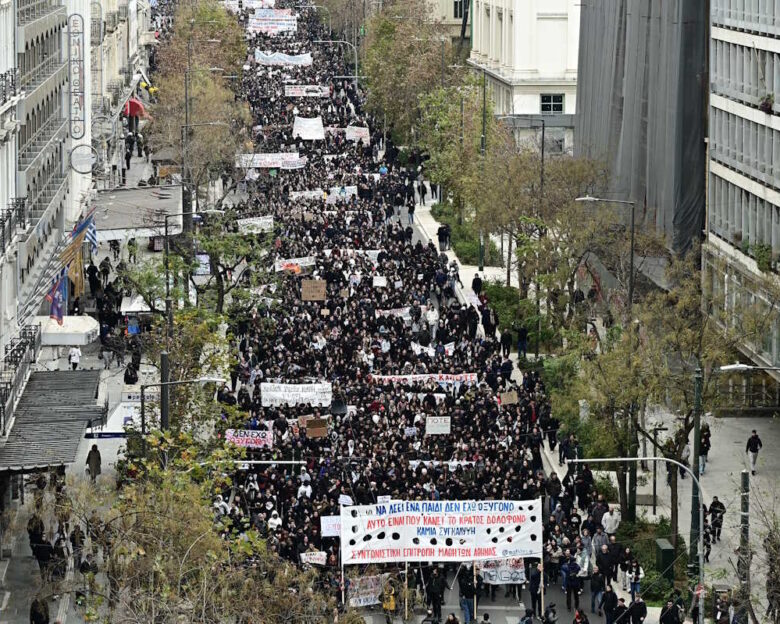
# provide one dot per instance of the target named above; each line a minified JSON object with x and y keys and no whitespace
{"x":134,"y":305}
{"x":55,"y":409}
{"x":75,"y":330}
{"x":121,"y":214}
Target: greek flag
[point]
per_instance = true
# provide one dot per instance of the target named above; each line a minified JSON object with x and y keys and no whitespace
{"x":92,"y":235}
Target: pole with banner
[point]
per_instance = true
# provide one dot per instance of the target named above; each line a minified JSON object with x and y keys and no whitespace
{"x":474,"y":567}
{"x":406,"y":593}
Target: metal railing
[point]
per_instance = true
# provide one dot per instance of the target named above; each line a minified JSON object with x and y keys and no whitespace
{"x":10,"y":219}
{"x":97,"y":31}
{"x":38,"y":141}
{"x":9,"y":85}
{"x":122,"y":12}
{"x":20,"y":353}
{"x":112,"y":18}
{"x":40,"y":73}
{"x":30,"y":10}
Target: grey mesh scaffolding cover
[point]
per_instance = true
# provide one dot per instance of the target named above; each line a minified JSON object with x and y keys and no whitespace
{"x":641,"y":107}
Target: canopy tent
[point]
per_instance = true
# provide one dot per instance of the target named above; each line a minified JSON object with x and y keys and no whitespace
{"x":75,"y":330}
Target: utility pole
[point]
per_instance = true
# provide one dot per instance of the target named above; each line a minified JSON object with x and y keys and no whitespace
{"x":633,"y":442}
{"x":743,"y":566}
{"x":442,"y":62}
{"x":539,"y":234}
{"x":695,"y":497}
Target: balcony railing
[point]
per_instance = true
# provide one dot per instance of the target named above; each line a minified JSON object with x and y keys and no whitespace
{"x":112,"y":18}
{"x":122,"y":12}
{"x":30,"y":10}
{"x":97,"y":31}
{"x":46,"y":194}
{"x":37,"y":143}
{"x":9,"y":85}
{"x":10,"y":219}
{"x":20,"y":354}
{"x":32,"y":79}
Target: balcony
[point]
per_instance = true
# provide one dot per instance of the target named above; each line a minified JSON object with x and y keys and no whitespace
{"x":47,"y":197}
{"x":9,"y":86}
{"x":35,"y":17}
{"x":14,"y":217}
{"x":96,"y":35}
{"x":53,"y":131}
{"x":122,"y":12}
{"x":40,"y":81}
{"x":112,"y":19}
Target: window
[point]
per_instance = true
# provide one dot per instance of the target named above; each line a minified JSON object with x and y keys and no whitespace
{"x":552,"y":104}
{"x":457,"y":9}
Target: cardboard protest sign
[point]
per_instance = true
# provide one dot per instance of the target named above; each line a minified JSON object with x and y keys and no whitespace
{"x":313,"y":290}
{"x":366,"y":590}
{"x":380,"y":281}
{"x":508,"y":398}
{"x":437,"y":425}
{"x":454,"y":531}
{"x":316,"y":428}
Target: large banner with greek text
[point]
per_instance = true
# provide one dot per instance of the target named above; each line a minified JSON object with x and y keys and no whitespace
{"x":275,"y":394}
{"x":502,"y":571}
{"x":421,"y":378}
{"x":453,"y":531}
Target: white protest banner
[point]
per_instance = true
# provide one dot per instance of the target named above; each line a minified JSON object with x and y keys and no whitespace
{"x":437,"y":425}
{"x":366,"y":590}
{"x":277,"y":160}
{"x":345,"y":499}
{"x":453,"y":531}
{"x":309,"y":128}
{"x":306,"y":91}
{"x":452,"y":465}
{"x":357,"y":133}
{"x":330,"y":526}
{"x":438,"y":396}
{"x":313,"y":194}
{"x":380,"y":281}
{"x":418,"y":349}
{"x":384,"y":499}
{"x":410,"y":432}
{"x":275,"y":394}
{"x":314,"y":557}
{"x":340,"y":192}
{"x":250,"y":438}
{"x":404,"y":313}
{"x":440,"y":378}
{"x":272,"y":22}
{"x":279,"y":58}
{"x":256,"y":225}
{"x":502,"y":571}
{"x":294,"y":264}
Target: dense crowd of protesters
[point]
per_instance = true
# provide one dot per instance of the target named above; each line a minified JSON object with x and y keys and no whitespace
{"x":415,"y":324}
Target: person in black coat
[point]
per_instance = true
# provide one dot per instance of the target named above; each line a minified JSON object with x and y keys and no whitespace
{"x":670,"y":613}
{"x":608,"y":604}
{"x":534,"y":582}
{"x":638,"y":610}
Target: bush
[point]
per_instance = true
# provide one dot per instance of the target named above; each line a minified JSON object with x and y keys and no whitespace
{"x":654,"y":586}
{"x":605,"y":487}
{"x":465,"y":237}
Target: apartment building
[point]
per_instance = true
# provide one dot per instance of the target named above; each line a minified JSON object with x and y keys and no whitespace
{"x":527,"y":50}
{"x":742,"y":244}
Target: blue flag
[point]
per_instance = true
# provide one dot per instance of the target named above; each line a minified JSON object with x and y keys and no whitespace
{"x":58,"y":297}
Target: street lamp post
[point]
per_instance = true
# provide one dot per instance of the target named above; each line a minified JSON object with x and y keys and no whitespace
{"x":699,"y":553}
{"x":631,"y":277}
{"x":354,"y":49}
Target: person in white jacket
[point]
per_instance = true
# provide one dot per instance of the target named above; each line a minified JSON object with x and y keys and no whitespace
{"x":611,"y":521}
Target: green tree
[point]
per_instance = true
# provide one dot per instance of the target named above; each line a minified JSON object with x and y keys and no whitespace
{"x":405,"y":53}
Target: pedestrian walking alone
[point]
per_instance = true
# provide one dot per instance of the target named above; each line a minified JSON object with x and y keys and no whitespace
{"x":93,"y":462}
{"x":752,"y":448}
{"x":74,"y":357}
